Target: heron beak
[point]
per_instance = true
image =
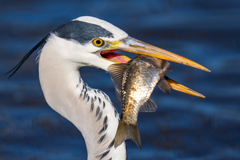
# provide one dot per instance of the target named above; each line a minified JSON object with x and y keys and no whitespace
{"x":181,"y":88}
{"x":130,"y":44}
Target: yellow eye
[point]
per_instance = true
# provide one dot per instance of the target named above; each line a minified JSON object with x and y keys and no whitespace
{"x":98,"y":42}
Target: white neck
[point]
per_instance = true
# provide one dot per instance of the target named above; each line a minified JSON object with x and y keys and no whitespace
{"x":90,"y":110}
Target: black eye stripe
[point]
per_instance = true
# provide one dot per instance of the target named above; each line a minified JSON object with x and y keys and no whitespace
{"x":82,"y":32}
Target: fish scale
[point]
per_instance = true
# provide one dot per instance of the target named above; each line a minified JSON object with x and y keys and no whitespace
{"x":139,"y":89}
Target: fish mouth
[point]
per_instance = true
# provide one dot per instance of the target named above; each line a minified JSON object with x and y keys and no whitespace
{"x":114,"y":57}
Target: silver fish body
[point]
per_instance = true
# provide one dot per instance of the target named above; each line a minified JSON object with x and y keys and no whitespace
{"x":134,"y":83}
{"x":139,"y":79}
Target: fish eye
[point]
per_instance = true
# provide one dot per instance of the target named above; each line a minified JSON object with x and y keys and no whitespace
{"x":98,"y":42}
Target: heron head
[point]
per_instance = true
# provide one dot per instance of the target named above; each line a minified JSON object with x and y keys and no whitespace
{"x":90,"y":41}
{"x":93,"y":42}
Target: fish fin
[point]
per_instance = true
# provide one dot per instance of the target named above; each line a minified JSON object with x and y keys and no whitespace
{"x":126,"y":131}
{"x":166,"y":65}
{"x":164,"y":72}
{"x":163,"y":85}
{"x":116,"y":73}
{"x":149,"y":106}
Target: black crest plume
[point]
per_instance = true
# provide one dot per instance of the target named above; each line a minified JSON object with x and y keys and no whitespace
{"x":14,"y":70}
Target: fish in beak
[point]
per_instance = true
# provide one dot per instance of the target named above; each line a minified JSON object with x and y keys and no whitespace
{"x":133,"y":45}
{"x":135,"y":80}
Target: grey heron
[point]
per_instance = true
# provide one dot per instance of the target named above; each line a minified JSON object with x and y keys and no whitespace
{"x":88,"y":41}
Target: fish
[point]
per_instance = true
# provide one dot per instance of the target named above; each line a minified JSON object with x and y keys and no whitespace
{"x":134,"y":83}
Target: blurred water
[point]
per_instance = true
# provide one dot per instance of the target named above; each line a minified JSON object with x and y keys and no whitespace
{"x":184,"y":127}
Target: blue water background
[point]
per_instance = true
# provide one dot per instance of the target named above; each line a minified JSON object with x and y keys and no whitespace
{"x":184,"y":127}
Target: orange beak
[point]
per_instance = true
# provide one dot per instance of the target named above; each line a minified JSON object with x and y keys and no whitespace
{"x":181,"y":88}
{"x":130,"y":44}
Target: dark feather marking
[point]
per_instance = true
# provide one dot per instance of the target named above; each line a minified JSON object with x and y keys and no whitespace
{"x":83,"y":88}
{"x":110,"y":158}
{"x":14,"y":70}
{"x":105,"y":125}
{"x":95,"y":91}
{"x":103,"y":104}
{"x":77,"y":86}
{"x":84,"y":94}
{"x":102,"y":138}
{"x":104,"y":154}
{"x":92,"y":105}
{"x":99,"y":91}
{"x":85,"y":91}
{"x":106,"y":96}
{"x":99,"y":99}
{"x":97,"y":111}
{"x":111,"y":144}
{"x":104,"y":128}
{"x":105,"y":120}
{"x":88,"y":97}
{"x":115,"y":111}
{"x":95,"y":98}
{"x":99,"y":116}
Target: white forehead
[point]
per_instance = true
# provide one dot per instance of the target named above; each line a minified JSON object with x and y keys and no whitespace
{"x":117,"y":33}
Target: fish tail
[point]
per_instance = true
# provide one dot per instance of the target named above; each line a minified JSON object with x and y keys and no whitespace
{"x":126,"y":131}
